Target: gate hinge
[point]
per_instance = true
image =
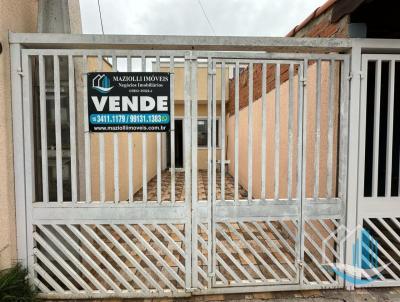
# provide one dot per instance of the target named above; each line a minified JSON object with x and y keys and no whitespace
{"x":300,"y":263}
{"x":356,"y":73}
{"x":304,"y":81}
{"x":20,"y":72}
{"x":211,"y":275}
{"x":190,"y":290}
{"x":212,"y":72}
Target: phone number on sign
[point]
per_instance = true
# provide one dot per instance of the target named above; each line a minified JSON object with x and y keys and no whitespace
{"x":126,"y":118}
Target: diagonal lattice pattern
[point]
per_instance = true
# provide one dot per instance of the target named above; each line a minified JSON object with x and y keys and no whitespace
{"x":89,"y":258}
{"x":386,"y":235}
{"x":321,"y":245}
{"x":256,"y":253}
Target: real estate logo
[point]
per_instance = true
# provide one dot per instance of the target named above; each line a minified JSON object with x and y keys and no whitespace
{"x":365,"y":266}
{"x":101,"y":83}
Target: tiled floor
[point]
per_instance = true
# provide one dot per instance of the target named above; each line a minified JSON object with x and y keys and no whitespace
{"x":202,"y":187}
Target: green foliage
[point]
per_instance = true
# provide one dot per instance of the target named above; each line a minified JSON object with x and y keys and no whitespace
{"x":14,"y":285}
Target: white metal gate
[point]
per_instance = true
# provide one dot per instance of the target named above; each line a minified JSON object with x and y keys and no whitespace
{"x":378,"y":195}
{"x":260,"y":222}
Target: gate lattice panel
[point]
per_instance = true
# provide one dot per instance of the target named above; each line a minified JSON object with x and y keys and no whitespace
{"x":112,"y":215}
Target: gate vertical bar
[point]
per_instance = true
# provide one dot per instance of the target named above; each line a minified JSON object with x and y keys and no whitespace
{"x":130,"y":148}
{"x":29,"y":158}
{"x":43,"y":129}
{"x":102,"y":164}
{"x":193,"y":144}
{"x":236,"y":158}
{"x":116,"y":146}
{"x":172,"y":135}
{"x":317,"y":138}
{"x":209,"y":172}
{"x":158,"y":148}
{"x":223,"y":125}
{"x":144,"y":150}
{"x":212,"y":234}
{"x":277,"y":137}
{"x":88,"y":176}
{"x":18,"y":145}
{"x":187,"y":166}
{"x":303,"y":168}
{"x":353,"y":151}
{"x":263,"y":129}
{"x":299,"y":178}
{"x":290,"y":132}
{"x":344,"y":145}
{"x":250,"y":137}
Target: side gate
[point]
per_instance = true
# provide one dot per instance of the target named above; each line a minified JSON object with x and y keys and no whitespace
{"x":247,"y":192}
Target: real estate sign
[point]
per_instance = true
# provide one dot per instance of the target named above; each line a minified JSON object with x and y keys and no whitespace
{"x":128,"y":101}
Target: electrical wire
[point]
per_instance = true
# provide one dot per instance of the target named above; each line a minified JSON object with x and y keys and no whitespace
{"x":205,"y":15}
{"x":101,"y":19}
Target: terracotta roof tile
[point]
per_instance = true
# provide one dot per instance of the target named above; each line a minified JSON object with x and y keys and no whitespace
{"x":315,"y":14}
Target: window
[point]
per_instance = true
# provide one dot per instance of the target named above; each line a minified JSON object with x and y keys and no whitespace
{"x":202,"y":132}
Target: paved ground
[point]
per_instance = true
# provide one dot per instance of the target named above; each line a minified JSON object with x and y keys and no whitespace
{"x":372,"y":295}
{"x":202,"y":185}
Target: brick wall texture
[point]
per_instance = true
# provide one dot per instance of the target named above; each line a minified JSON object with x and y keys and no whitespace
{"x":318,"y":27}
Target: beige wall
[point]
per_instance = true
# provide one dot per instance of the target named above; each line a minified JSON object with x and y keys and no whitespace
{"x":16,"y":16}
{"x":283,"y":149}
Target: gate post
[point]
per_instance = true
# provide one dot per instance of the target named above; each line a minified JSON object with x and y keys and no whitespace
{"x":187,"y":167}
{"x":352,"y":178}
{"x":18,"y":145}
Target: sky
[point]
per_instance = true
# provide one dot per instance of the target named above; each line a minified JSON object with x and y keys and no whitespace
{"x":186,"y":17}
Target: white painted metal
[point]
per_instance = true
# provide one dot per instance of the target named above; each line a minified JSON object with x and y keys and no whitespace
{"x":170,"y":229}
{"x":377,"y":210}
{"x":317,"y":137}
{"x":236,"y":156}
{"x":144,"y":149}
{"x":331,"y":108}
{"x":250,"y":136}
{"x":88,"y":174}
{"x":130,"y":148}
{"x":290,"y":132}
{"x":172,"y":135}
{"x":43,"y":130}
{"x":116,"y":146}
{"x":277,"y":132}
{"x":102,"y":160}
{"x":263,"y":129}
{"x":223,"y":125}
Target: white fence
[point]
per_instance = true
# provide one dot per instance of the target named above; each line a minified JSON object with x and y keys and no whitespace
{"x":100,"y":221}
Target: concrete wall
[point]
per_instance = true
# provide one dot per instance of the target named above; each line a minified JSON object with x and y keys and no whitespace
{"x":16,"y":16}
{"x":283,"y":148}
